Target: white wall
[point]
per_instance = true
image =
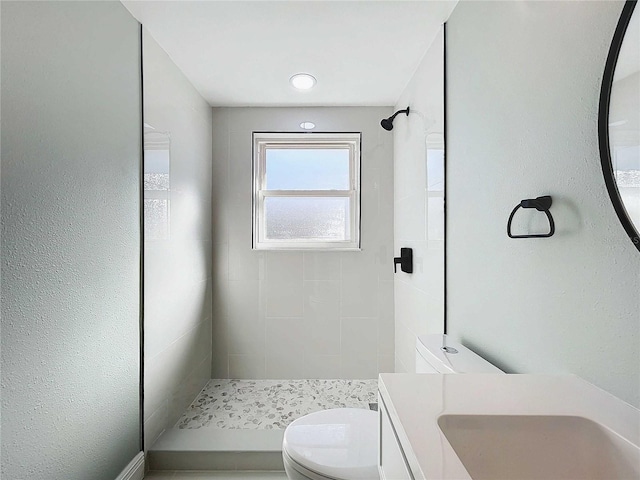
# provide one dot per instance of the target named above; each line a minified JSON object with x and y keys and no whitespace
{"x":523,"y":86}
{"x":177,"y":248}
{"x":419,"y":209}
{"x":70,"y":240}
{"x":294,"y":314}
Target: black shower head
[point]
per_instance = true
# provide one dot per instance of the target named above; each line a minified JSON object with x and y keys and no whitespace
{"x":387,"y":123}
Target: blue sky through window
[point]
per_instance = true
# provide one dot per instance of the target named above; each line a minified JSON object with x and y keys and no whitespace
{"x":307,"y":169}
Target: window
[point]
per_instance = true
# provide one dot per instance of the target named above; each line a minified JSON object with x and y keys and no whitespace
{"x":157,"y":185}
{"x":306,"y":191}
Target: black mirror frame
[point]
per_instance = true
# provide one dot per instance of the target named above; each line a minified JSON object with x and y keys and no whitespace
{"x":603,"y":122}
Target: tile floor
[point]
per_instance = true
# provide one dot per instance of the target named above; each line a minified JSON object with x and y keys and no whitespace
{"x":217,"y":475}
{"x":272,"y":404}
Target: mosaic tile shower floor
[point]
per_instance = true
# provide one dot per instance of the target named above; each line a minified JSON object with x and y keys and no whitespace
{"x":272,"y":404}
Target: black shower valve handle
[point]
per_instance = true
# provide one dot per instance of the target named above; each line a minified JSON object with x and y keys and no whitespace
{"x":405,"y":260}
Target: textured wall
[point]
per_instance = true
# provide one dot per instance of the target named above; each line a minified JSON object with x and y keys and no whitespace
{"x":301,"y":314}
{"x":70,"y":240}
{"x":523,"y":86}
{"x":419,"y":209}
{"x":177,"y":249}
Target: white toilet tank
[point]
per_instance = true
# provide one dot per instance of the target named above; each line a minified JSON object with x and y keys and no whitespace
{"x":438,"y":354}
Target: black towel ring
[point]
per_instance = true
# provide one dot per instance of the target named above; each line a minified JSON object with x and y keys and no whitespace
{"x":542,"y":204}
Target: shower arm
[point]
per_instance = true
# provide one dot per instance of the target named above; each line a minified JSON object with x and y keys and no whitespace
{"x":406,"y":110}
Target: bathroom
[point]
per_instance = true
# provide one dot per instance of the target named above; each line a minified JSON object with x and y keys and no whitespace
{"x":523,"y":81}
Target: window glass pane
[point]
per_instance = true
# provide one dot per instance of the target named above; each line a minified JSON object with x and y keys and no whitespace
{"x":156,"y":181}
{"x":156,"y":219}
{"x":435,"y":218}
{"x":307,"y":218}
{"x":435,"y":170}
{"x":307,"y":169}
{"x":156,"y":169}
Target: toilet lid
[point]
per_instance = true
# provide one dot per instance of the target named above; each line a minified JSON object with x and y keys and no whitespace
{"x":341,"y":443}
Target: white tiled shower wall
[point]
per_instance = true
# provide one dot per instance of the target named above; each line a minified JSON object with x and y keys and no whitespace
{"x":301,"y":314}
{"x":419,"y":213}
{"x":177,"y":253}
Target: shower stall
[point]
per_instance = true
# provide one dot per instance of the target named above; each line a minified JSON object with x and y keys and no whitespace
{"x":240,"y":342}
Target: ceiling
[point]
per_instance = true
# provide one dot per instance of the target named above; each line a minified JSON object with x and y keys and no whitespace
{"x":242,"y":53}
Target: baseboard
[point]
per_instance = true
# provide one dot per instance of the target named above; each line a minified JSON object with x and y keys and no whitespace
{"x":135,"y":469}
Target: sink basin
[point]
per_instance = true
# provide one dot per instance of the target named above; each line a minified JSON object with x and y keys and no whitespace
{"x":527,"y":447}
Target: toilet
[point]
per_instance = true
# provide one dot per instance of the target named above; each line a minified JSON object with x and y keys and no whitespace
{"x":342,"y":443}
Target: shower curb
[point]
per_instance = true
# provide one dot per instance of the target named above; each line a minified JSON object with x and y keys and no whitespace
{"x":217,"y":449}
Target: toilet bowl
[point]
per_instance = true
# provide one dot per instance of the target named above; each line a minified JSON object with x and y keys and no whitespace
{"x":336,"y":444}
{"x":342,"y":443}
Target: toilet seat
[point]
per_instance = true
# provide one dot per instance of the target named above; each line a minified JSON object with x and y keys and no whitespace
{"x":336,"y":444}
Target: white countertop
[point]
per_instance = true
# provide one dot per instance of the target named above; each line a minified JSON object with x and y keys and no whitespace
{"x":415,"y":401}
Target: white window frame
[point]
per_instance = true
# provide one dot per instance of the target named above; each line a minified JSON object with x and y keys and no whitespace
{"x":261,"y":143}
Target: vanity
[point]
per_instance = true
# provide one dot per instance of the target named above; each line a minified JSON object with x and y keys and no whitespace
{"x":516,"y":427}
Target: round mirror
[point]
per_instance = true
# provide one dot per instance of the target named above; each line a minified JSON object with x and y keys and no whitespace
{"x":619,"y":121}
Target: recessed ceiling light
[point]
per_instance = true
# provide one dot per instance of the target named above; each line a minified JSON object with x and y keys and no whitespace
{"x":302,"y":81}
{"x":308,"y":125}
